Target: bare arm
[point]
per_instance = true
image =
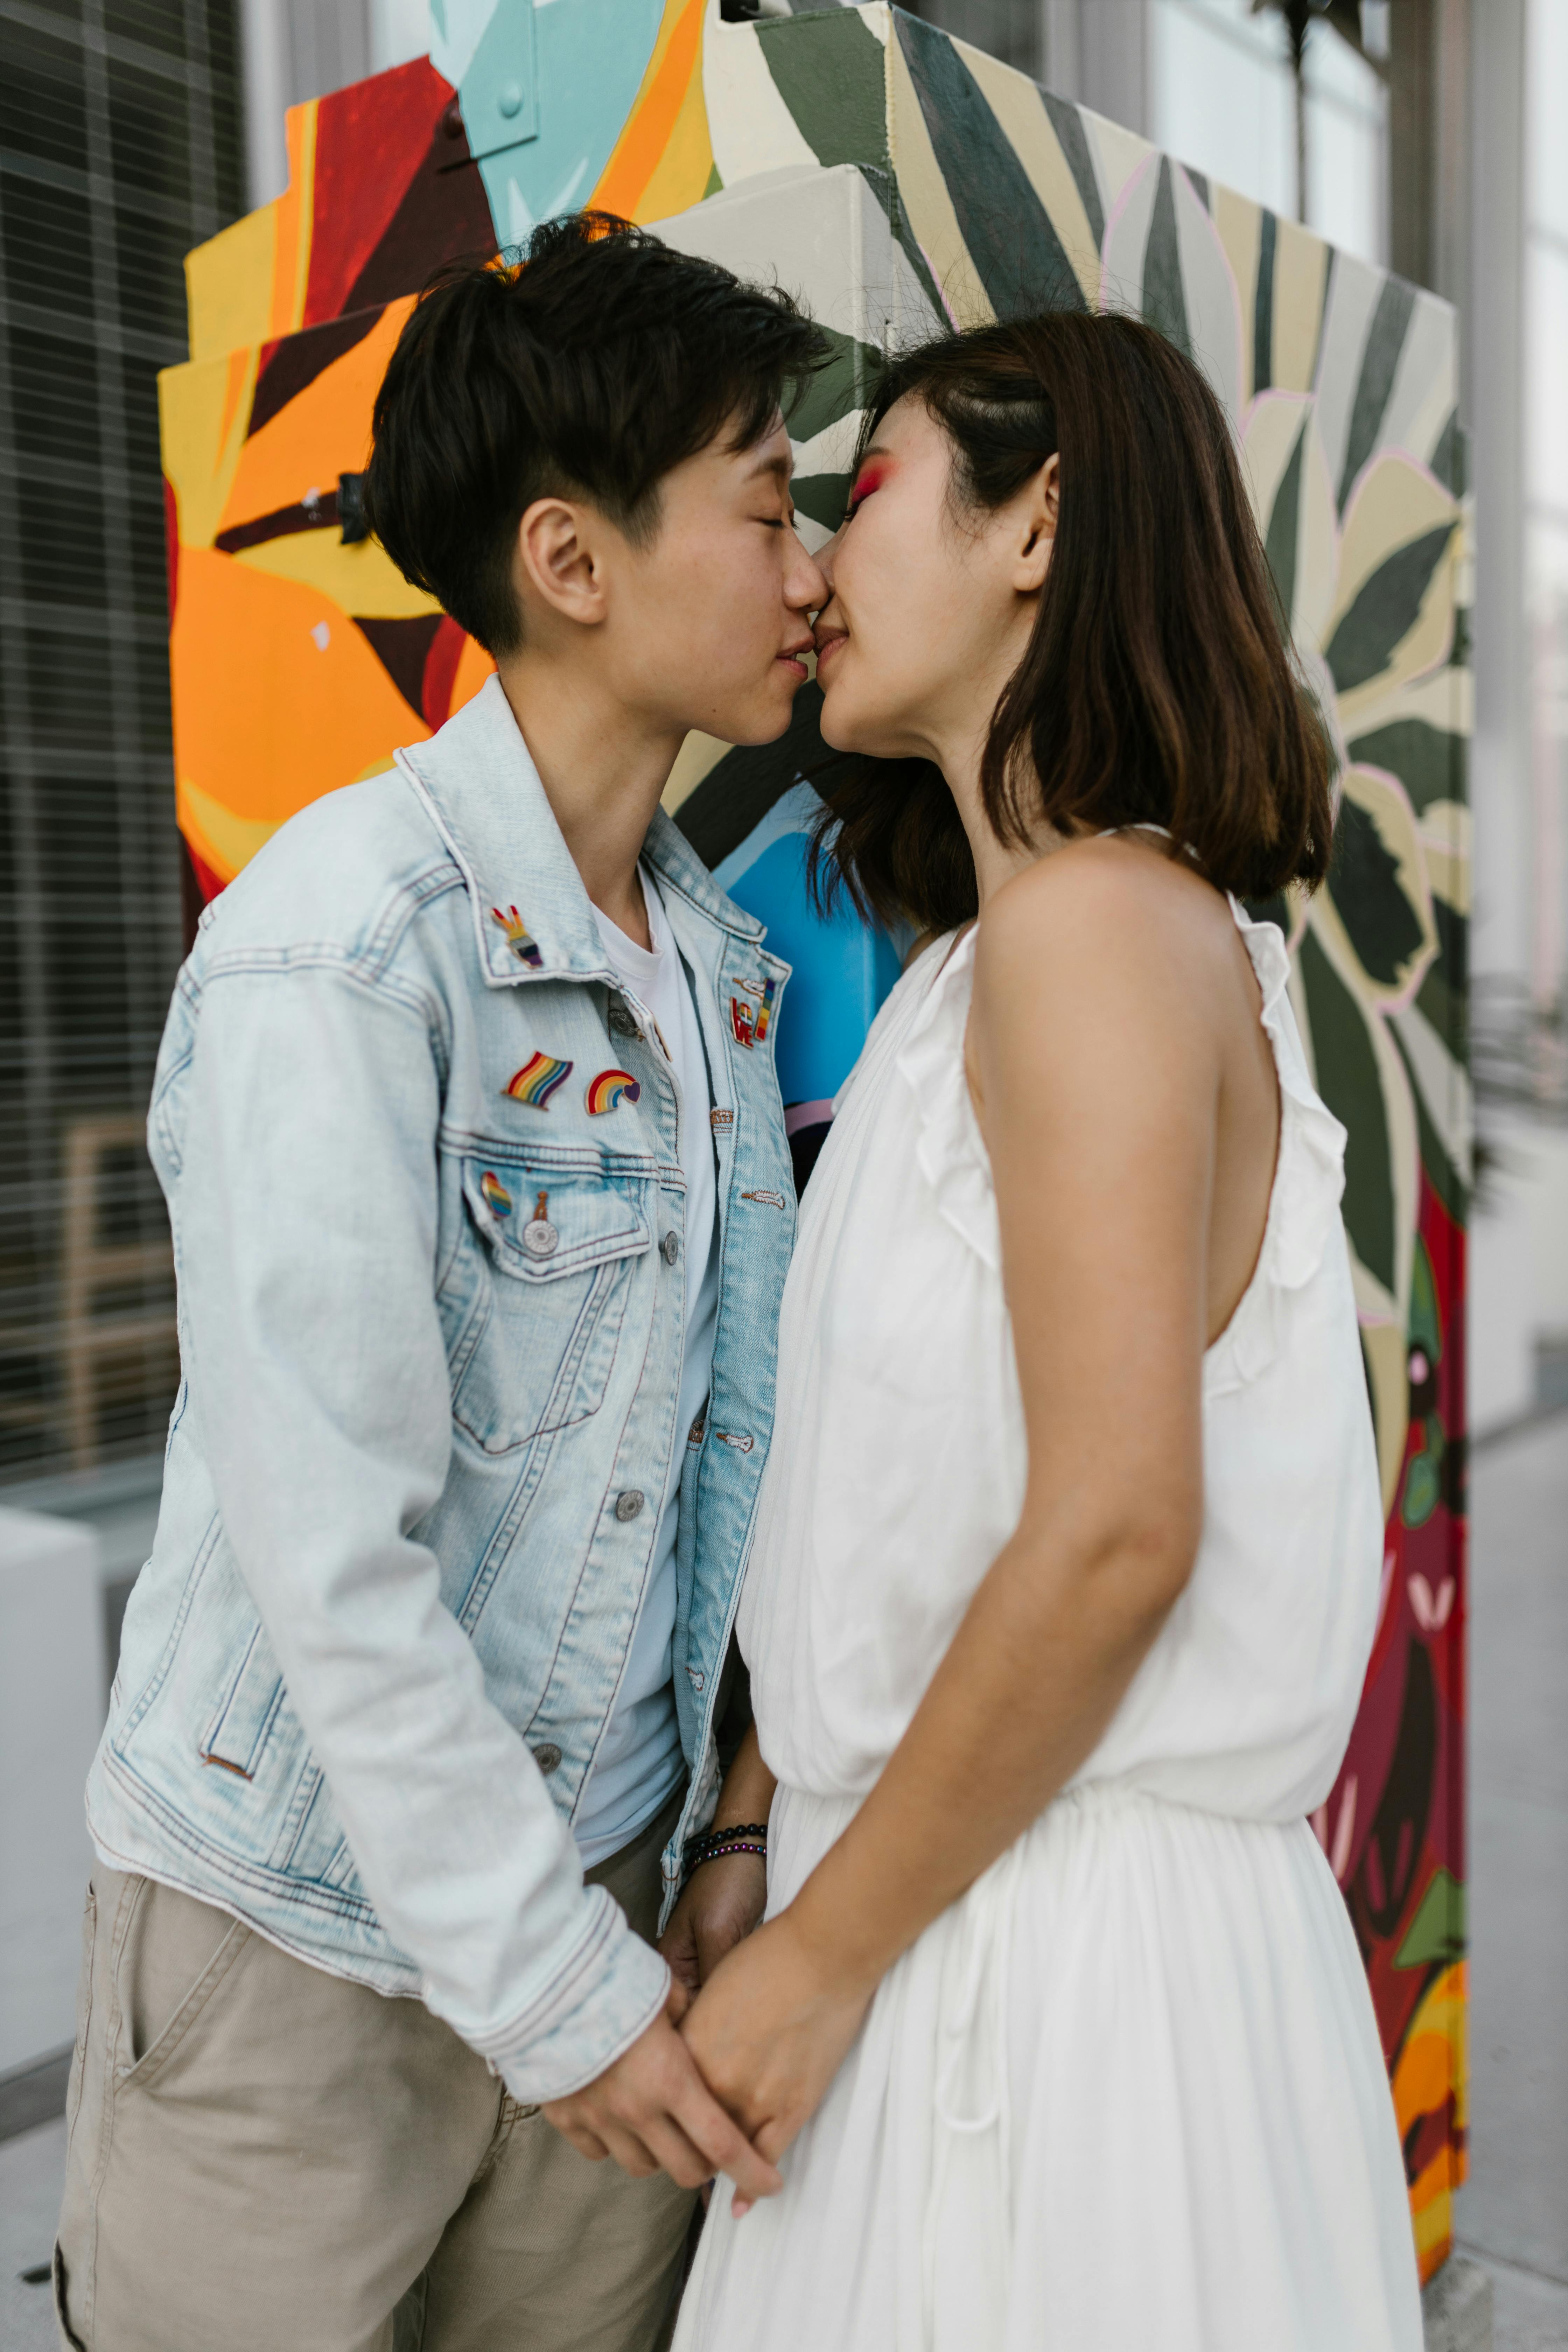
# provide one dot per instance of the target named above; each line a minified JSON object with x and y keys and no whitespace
{"x":728,"y":1895}
{"x":1099,"y":1081}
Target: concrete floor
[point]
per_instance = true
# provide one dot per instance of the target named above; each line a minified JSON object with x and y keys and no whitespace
{"x":1513,"y":2217}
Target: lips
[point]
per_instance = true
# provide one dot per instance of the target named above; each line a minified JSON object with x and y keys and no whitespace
{"x":827,"y":644}
{"x":791,"y":658}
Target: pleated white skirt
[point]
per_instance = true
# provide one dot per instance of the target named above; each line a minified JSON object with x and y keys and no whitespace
{"x":1127,"y":2095}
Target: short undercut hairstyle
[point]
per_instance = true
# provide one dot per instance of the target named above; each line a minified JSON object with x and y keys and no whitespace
{"x":588,"y":365}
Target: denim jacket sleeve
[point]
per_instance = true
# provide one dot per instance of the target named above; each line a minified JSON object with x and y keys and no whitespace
{"x":307,"y":1232}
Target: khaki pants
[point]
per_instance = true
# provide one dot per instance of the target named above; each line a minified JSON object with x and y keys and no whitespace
{"x":262,"y":2158}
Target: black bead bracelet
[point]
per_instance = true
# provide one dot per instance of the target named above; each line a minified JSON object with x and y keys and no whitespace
{"x":740,"y":1837}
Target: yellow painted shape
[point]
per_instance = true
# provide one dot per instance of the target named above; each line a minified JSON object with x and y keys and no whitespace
{"x":229,"y":285}
{"x":672,"y":74}
{"x":1020,"y":111}
{"x":1238,"y":223}
{"x":1397,"y":502}
{"x":927,"y":204}
{"x":277,"y":696}
{"x":358,"y":579}
{"x":1271,"y":433}
{"x":296,"y":208}
{"x":202,"y":409}
{"x":680,"y":177}
{"x":697,"y":757}
{"x":323,"y":432}
{"x":221,"y":840}
{"x":1300,"y":277}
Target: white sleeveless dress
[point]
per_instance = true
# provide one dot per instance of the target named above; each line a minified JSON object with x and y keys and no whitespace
{"x":1126,"y":2094}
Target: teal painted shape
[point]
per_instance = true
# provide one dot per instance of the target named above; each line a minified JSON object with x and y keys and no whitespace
{"x":589,"y":57}
{"x":1369,"y":899}
{"x":1348,"y":1080}
{"x":831,"y":73}
{"x":841,"y":969}
{"x":1428,"y":761}
{"x":1068,"y":124}
{"x":1384,"y":342}
{"x":1383,"y":610}
{"x":1164,"y":297}
{"x":500,"y":92}
{"x":1284,"y":529}
{"x":1011,"y":238}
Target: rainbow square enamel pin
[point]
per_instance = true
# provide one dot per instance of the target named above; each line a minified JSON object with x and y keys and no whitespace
{"x":540,"y":1077}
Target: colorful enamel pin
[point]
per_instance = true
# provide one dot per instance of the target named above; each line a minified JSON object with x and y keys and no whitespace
{"x":497,"y":1197}
{"x":751,"y":1023}
{"x":610,"y":1089}
{"x":539,"y":1077}
{"x":519,"y":938}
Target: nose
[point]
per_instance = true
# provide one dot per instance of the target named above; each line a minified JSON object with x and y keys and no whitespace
{"x":806,"y":587}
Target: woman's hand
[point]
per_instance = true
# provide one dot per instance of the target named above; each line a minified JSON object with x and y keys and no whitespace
{"x":769,"y":2031}
{"x":718,"y":1910}
{"x":652,"y":2112}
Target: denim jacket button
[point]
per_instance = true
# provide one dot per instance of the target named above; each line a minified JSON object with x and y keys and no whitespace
{"x":547,"y":1756}
{"x":628,"y":1503}
{"x":670,"y":1248}
{"x":541,"y":1239}
{"x":621,"y":1022}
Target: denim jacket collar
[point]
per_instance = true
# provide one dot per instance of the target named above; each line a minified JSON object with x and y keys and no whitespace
{"x":533,"y":917}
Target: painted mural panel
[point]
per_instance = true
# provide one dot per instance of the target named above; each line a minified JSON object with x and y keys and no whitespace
{"x":893,"y":177}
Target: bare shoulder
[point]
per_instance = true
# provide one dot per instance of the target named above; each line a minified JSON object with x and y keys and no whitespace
{"x":1117,"y":904}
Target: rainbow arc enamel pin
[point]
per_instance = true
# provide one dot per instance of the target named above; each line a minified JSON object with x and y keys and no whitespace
{"x":750,"y":1023}
{"x":610,"y":1089}
{"x":497,"y":1197}
{"x":519,"y":938}
{"x":540,"y":1077}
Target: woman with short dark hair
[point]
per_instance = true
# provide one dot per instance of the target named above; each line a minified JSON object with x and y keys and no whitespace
{"x":1069,"y":1549}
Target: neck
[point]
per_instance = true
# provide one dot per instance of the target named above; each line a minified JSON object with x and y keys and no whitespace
{"x":603,"y":767}
{"x":995,"y":862}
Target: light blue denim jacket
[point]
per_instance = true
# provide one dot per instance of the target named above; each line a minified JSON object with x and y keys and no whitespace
{"x":431,"y":1334}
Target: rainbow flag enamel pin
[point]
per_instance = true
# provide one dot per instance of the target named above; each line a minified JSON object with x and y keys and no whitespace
{"x":610,"y":1089}
{"x":750,"y":1023}
{"x":540,"y":1077}
{"x":496,"y":1194}
{"x":519,"y":938}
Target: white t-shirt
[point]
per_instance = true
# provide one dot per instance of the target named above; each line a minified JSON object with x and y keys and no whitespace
{"x":639,"y":1760}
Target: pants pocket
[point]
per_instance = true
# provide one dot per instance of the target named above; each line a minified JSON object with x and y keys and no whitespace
{"x":176,"y":1955}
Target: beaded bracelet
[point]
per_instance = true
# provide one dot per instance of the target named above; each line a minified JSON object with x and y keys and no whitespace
{"x":740,"y":1837}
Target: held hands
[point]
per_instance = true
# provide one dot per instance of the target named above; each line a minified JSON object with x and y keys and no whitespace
{"x":651,"y":2109}
{"x":768,"y":2031}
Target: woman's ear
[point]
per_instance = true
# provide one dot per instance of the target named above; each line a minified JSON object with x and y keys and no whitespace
{"x":557,"y":561}
{"x":1041,"y":503}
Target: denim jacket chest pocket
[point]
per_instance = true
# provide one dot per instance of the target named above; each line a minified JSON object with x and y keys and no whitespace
{"x":537,"y":1293}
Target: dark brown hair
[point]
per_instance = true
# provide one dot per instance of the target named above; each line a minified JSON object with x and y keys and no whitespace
{"x":1159,"y":685}
{"x":589,"y":364}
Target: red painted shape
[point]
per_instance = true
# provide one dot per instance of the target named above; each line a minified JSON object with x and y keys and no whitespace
{"x":441,"y":672}
{"x":210,"y":885}
{"x":371,"y":140}
{"x":171,"y":545}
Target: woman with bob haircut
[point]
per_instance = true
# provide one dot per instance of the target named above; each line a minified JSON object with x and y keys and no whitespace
{"x":1070,"y":1546}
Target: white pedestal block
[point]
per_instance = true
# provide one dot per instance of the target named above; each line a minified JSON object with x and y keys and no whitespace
{"x":51,"y":1712}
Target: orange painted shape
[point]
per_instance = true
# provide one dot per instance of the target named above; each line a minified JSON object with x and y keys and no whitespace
{"x":277,"y":696}
{"x":678,"y":55}
{"x":474,"y":665}
{"x":295,"y":206}
{"x":324,"y":431}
